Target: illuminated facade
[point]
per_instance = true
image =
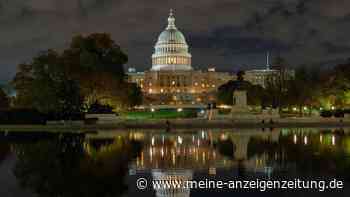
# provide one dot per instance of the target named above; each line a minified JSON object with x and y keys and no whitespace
{"x":172,"y":80}
{"x":171,"y":50}
{"x":263,"y":77}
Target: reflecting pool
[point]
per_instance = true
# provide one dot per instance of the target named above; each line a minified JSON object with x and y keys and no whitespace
{"x":112,"y":163}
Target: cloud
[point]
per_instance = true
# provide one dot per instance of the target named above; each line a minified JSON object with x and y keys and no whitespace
{"x":227,"y":33}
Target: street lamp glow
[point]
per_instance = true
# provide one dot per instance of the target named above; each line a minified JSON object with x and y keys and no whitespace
{"x":152,"y":109}
{"x":179,"y":140}
{"x":333,"y":108}
{"x":179,"y":110}
{"x":294,"y":109}
{"x":305,"y":108}
{"x":305,"y":140}
{"x":333,"y":140}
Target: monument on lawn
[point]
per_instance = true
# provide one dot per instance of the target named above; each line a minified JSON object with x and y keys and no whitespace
{"x":240,"y":102}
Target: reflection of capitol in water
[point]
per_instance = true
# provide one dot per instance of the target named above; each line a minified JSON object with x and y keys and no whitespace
{"x":172,"y":175}
{"x":180,"y":152}
{"x":175,"y":157}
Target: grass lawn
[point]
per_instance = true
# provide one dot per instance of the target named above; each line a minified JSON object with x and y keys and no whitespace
{"x":160,"y":114}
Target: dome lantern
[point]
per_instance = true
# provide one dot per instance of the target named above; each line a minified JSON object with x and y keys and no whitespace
{"x":171,"y":20}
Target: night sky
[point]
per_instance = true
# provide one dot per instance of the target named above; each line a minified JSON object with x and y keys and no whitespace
{"x":229,"y":34}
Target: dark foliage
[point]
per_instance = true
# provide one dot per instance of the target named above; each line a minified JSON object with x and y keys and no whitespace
{"x":22,"y":116}
{"x":98,"y":108}
{"x":326,"y":114}
{"x":4,"y":100}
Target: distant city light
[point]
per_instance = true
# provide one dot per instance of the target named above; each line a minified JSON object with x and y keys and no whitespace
{"x":153,"y":141}
{"x":152,"y":110}
{"x":295,"y":109}
{"x":224,"y":106}
{"x":223,"y":137}
{"x":211,"y":69}
{"x":305,"y":140}
{"x":179,"y":140}
{"x":162,"y":152}
{"x":333,"y":140}
{"x":179,"y":110}
{"x":333,"y":108}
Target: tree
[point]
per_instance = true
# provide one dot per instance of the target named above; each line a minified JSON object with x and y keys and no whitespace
{"x":89,"y":71}
{"x":255,"y":94}
{"x":276,"y":85}
{"x":134,"y":95}
{"x":338,"y":86}
{"x":46,"y":85}
{"x":240,"y":75}
{"x":70,"y":99}
{"x":97,"y":62}
{"x":22,"y":83}
{"x":4,"y":100}
{"x":298,"y":93}
{"x":273,"y":92}
{"x":96,"y":53}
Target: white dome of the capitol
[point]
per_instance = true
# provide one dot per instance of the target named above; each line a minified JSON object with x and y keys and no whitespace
{"x":171,"y":49}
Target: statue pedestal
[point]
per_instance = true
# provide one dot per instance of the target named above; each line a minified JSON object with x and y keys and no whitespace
{"x":240,"y":108}
{"x":212,"y":114}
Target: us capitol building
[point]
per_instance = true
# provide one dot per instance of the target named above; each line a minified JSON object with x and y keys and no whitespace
{"x":172,"y":79}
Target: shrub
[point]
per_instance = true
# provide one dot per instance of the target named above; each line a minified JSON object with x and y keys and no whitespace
{"x":91,"y":121}
{"x":339,"y":114}
{"x":22,"y":116}
{"x":326,"y":114}
{"x":98,"y":108}
{"x":54,"y":116}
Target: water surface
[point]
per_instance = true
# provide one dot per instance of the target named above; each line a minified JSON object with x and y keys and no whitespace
{"x":108,"y":163}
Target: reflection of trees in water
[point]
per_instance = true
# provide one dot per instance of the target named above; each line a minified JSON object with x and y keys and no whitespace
{"x":260,"y":146}
{"x":226,"y":148}
{"x":311,"y":157}
{"x":4,"y":151}
{"x":70,"y":167}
